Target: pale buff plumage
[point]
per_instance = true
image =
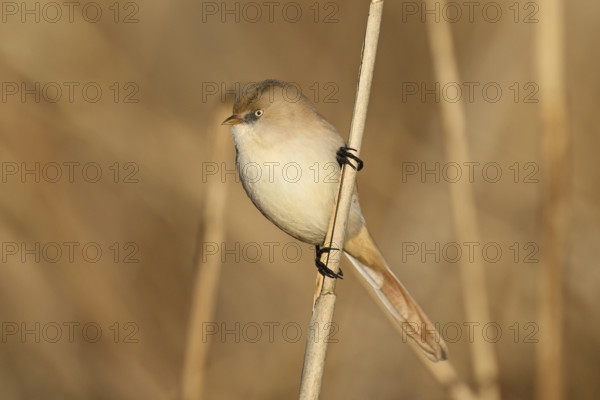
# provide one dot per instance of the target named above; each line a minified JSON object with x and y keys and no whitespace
{"x":286,"y":156}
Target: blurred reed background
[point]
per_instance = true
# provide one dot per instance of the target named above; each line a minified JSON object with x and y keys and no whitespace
{"x":166,"y":72}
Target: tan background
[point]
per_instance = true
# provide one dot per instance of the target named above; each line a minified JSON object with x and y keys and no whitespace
{"x":171,"y":54}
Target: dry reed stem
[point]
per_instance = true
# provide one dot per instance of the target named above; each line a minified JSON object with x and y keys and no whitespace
{"x":550,"y":56}
{"x":463,"y":208}
{"x":208,"y":273}
{"x":314,"y":358}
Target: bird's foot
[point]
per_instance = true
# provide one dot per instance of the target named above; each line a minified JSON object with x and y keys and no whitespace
{"x":344,"y":156}
{"x":322,"y":267}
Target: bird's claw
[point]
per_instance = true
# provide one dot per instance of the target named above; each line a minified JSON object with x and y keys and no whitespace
{"x":322,"y":267}
{"x":343,"y":156}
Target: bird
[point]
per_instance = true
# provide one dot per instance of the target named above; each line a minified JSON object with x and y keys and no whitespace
{"x":289,"y":158}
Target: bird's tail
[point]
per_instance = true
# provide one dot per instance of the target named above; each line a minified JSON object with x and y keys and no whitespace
{"x":369,"y":262}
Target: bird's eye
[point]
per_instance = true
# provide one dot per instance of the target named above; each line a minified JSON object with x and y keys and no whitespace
{"x":259,"y":113}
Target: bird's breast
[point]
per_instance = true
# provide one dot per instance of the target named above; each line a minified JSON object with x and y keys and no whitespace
{"x":293,"y":184}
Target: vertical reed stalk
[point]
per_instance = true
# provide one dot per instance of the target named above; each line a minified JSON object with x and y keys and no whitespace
{"x":463,"y":207}
{"x":208,"y":273}
{"x":314,"y":357}
{"x":550,"y":58}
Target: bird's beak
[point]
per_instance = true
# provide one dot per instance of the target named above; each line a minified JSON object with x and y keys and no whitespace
{"x":233,"y":120}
